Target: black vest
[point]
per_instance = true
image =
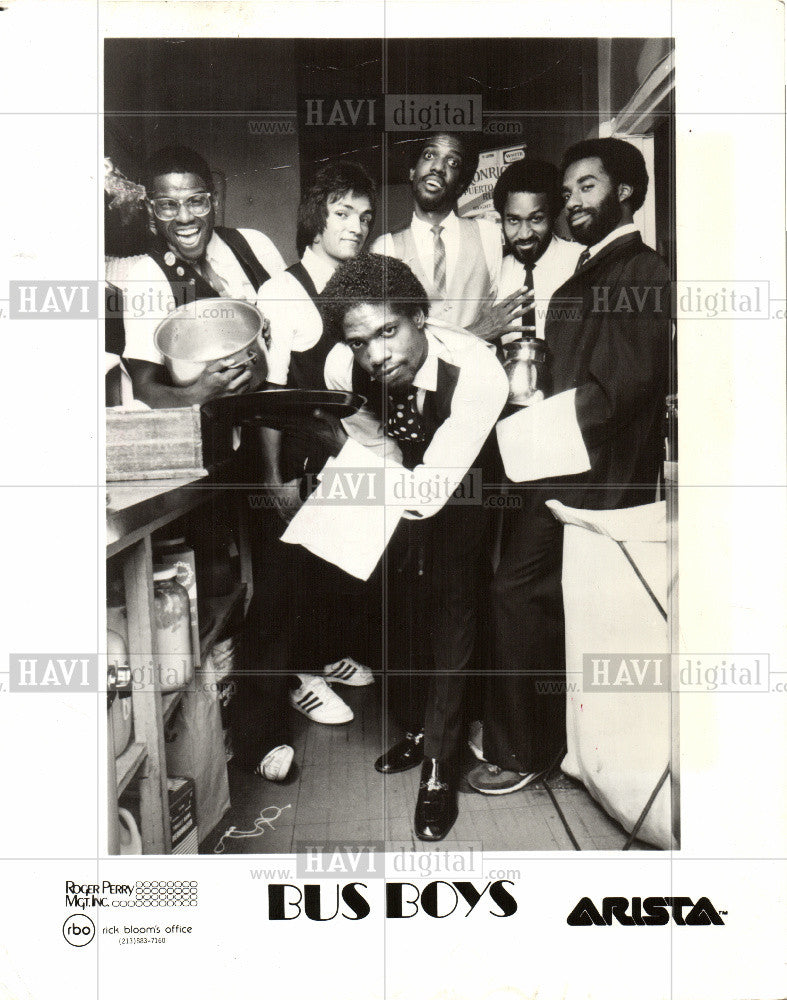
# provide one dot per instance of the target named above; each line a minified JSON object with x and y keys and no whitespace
{"x":307,"y":368}
{"x":437,"y":406}
{"x":306,"y":371}
{"x":187,"y":284}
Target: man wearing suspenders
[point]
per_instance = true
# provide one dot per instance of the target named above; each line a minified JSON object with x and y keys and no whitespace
{"x":187,"y":258}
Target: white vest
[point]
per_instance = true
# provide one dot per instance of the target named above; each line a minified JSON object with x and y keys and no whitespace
{"x":471,"y":283}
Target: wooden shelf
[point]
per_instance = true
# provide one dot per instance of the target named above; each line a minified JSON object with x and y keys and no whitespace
{"x":127,"y":763}
{"x":134,"y":511}
{"x":221,"y":609}
{"x":137,"y":509}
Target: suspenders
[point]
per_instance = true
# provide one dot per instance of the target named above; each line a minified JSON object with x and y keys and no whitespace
{"x":188,"y":285}
{"x":239,"y":245}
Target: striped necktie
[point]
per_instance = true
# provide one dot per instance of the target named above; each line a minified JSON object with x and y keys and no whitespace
{"x":212,"y":278}
{"x":439,"y":281}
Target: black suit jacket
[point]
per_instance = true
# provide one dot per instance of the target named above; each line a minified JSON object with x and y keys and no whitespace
{"x":608,"y":330}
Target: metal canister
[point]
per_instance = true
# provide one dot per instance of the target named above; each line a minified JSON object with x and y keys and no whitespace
{"x":525,"y":364}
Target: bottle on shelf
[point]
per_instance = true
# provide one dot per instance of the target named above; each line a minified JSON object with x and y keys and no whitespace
{"x":119,"y":691}
{"x":174,"y":657}
{"x":178,"y":553}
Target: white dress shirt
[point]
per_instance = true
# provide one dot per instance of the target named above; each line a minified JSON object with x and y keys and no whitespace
{"x":147,"y":295}
{"x":610,"y":237}
{"x":423,"y":237}
{"x":554,"y":266}
{"x":479,"y":396}
{"x":296,"y":324}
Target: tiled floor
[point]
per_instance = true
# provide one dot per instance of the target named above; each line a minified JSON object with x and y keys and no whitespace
{"x":334,"y":795}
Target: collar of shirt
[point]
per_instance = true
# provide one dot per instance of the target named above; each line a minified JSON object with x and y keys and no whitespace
{"x":423,"y":229}
{"x":225,"y":264}
{"x":614,"y":235}
{"x":543,"y":261}
{"x":426,"y":376}
{"x":320,"y":271}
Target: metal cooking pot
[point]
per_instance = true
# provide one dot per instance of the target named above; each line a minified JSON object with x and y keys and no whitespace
{"x":197,"y":333}
{"x":525,"y":365}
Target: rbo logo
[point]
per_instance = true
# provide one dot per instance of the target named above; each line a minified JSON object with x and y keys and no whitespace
{"x":79,"y":930}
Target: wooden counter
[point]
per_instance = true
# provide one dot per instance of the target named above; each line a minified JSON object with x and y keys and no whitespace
{"x":135,"y":510}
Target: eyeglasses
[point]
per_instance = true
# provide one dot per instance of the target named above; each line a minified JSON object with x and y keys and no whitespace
{"x":167,"y":209}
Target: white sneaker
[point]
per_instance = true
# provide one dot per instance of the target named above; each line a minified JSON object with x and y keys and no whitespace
{"x":275,"y":765}
{"x":317,"y":702}
{"x":475,"y":741}
{"x":348,"y":671}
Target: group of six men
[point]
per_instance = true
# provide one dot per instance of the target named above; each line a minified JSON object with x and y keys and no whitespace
{"x":417,"y":327}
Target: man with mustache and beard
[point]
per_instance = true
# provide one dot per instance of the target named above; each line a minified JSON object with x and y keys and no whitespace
{"x":456,"y":260}
{"x":527,"y":198}
{"x":610,"y":357}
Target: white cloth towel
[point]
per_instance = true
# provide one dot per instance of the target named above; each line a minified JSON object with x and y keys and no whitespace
{"x":346,"y":520}
{"x":543,"y":440}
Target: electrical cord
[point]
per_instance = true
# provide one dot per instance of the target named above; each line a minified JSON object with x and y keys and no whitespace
{"x":233,"y":833}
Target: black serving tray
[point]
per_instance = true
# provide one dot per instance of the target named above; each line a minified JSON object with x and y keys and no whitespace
{"x":272,"y":407}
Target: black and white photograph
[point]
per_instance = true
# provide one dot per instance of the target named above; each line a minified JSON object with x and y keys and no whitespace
{"x":431,"y":581}
{"x":394,"y":499}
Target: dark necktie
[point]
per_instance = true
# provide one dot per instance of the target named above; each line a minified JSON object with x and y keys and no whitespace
{"x":529,"y":318}
{"x":584,"y":257}
{"x":528,"y":277}
{"x":404,"y":421}
{"x":438,"y":280}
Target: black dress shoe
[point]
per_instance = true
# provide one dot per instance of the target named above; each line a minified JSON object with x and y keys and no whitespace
{"x":407,"y":753}
{"x":436,"y":809}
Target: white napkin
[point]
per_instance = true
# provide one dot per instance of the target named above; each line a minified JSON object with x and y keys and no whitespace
{"x":543,"y":440}
{"x":347,"y":523}
{"x":644,"y":523}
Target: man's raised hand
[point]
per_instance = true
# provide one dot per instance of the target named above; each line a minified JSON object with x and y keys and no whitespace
{"x":507,"y":316}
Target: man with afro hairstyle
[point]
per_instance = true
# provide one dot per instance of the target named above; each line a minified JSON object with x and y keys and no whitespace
{"x":434,"y":394}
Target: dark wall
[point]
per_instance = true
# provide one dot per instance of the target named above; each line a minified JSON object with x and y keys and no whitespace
{"x":221,"y":95}
{"x":205,"y":94}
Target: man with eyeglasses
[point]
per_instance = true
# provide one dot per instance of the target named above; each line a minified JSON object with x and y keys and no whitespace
{"x":188,"y":258}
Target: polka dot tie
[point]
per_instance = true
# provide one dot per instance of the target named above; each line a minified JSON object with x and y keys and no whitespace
{"x":404,"y":420}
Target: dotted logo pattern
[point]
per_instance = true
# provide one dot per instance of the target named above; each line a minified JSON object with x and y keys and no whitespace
{"x":164,"y":894}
